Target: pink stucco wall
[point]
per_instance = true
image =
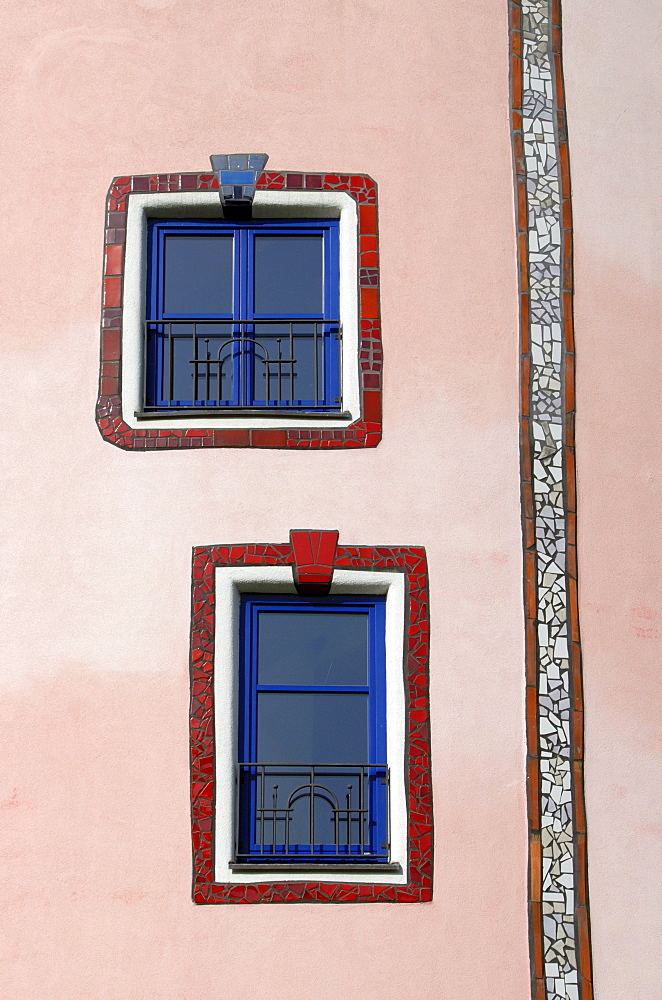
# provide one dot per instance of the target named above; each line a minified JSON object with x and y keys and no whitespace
{"x":94,"y":835}
{"x":614,"y":96}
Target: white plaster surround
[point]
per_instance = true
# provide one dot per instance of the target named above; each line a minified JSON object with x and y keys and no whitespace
{"x":231,"y":581}
{"x":267,"y":204}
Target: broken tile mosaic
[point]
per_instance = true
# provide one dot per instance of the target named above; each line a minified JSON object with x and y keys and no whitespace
{"x":545,"y":270}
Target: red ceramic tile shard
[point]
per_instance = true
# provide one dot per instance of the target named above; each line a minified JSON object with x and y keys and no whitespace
{"x":232,"y":438}
{"x":516,"y":42}
{"x":372,"y":406}
{"x":567,"y":214}
{"x":369,"y":303}
{"x":522,"y":211}
{"x":112,"y":291}
{"x":110,"y":345}
{"x":114,"y":259}
{"x":516,"y":76}
{"x":268,"y":438}
{"x":367,"y":219}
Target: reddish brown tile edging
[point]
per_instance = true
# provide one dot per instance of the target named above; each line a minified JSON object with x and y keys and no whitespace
{"x":560,"y":966}
{"x":412,"y":562}
{"x":362,"y":433}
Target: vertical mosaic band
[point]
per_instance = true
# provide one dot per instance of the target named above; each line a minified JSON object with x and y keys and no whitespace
{"x":558,"y":901}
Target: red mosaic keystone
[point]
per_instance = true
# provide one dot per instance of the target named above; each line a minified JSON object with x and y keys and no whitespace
{"x":314,"y":555}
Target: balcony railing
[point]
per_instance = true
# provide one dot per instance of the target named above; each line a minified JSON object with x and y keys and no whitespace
{"x":312,"y":812}
{"x":280,"y":364}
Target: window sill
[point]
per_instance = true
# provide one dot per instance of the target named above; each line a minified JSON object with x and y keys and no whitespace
{"x":236,"y":411}
{"x":290,"y":867}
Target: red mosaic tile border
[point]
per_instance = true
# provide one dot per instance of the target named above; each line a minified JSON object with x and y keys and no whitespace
{"x":363,"y":433}
{"x":408,"y":560}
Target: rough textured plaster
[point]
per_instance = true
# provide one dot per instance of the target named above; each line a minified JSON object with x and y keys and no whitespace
{"x":97,"y":543}
{"x":613,"y":97}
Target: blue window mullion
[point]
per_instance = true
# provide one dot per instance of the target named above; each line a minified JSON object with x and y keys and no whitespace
{"x":154,"y":352}
{"x":316,"y":689}
{"x":248,"y":312}
{"x":254,"y":675}
{"x":246,"y":790}
{"x":377,"y":790}
{"x":239,"y":315}
{"x":377,"y":697}
{"x":332,"y":345}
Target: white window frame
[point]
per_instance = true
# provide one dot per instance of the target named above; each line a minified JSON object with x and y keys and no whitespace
{"x":267,"y":204}
{"x":231,"y":582}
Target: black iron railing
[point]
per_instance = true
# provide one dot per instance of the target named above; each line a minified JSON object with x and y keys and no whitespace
{"x":304,"y":812}
{"x":275,"y":364}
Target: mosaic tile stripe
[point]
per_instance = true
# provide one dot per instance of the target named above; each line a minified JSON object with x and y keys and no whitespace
{"x":558,"y":902}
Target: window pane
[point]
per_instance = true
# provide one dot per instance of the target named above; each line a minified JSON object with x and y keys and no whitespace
{"x":200,"y":352}
{"x":307,"y":728}
{"x":282,"y":819}
{"x":312,"y":648}
{"x":198,"y":275}
{"x":302,"y":378}
{"x":288,"y":275}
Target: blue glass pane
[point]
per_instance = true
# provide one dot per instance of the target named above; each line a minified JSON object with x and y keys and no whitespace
{"x":312,"y":728}
{"x":198,"y":363}
{"x":300,"y":379}
{"x":285,"y":795}
{"x":198,"y":275}
{"x":313,"y":648}
{"x":289,"y":275}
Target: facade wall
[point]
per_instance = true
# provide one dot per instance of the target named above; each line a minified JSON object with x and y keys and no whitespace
{"x":613,"y":98}
{"x":97,"y":542}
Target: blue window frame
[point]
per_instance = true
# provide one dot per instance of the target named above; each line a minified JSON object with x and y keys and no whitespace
{"x":312,"y":779}
{"x":242,"y":315}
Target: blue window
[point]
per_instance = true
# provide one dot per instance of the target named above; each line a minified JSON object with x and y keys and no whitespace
{"x":312,"y":780}
{"x":242,"y":315}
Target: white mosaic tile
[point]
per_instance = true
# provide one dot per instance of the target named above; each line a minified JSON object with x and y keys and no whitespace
{"x":543,"y":187}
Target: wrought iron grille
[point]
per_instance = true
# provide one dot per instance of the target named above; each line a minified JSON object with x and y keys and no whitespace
{"x":278,"y":364}
{"x":324,"y":812}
